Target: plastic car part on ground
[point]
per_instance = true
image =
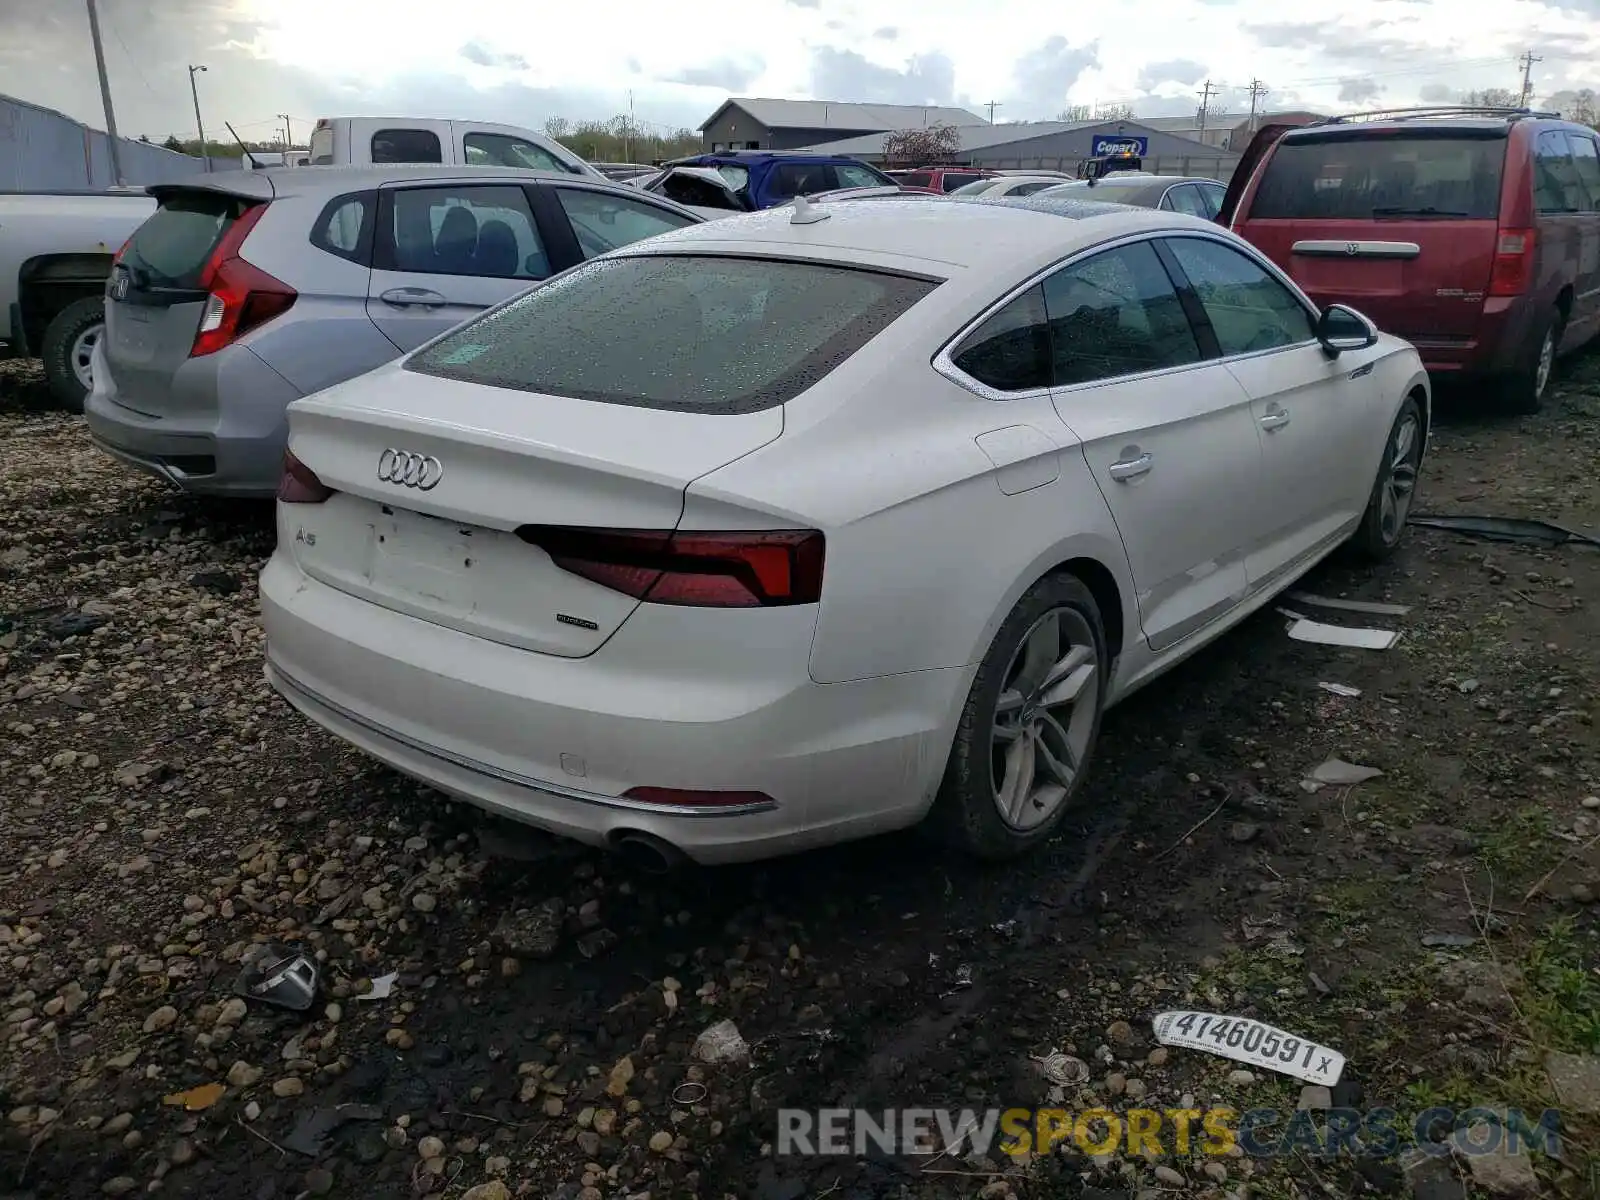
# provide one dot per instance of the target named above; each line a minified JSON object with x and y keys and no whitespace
{"x":1304,"y":629}
{"x":280,"y":977}
{"x":1254,"y":1042}
{"x":1522,"y":530}
{"x":1335,"y":772}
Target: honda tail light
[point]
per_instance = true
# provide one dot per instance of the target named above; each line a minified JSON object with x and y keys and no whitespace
{"x":755,"y":569}
{"x":241,"y":295}
{"x":1513,"y":263}
{"x":123,"y":249}
{"x":299,"y":483}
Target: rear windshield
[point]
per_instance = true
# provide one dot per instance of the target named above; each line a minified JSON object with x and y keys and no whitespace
{"x":171,"y":248}
{"x":690,"y":334}
{"x":1382,"y":175}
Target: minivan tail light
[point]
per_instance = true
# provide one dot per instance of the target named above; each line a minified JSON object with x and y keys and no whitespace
{"x":241,"y":295}
{"x":1513,"y":263}
{"x":755,"y":569}
{"x":299,"y":483}
{"x":117,"y":257}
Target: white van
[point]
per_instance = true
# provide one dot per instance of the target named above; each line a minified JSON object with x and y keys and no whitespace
{"x":363,"y":141}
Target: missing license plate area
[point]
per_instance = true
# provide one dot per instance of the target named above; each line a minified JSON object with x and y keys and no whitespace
{"x":417,"y":556}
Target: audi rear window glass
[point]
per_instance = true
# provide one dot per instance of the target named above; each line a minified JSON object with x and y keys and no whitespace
{"x":172,"y":247}
{"x":1379,"y":176}
{"x":686,"y":333}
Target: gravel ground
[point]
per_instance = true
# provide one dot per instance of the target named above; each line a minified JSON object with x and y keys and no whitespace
{"x":162,"y":815}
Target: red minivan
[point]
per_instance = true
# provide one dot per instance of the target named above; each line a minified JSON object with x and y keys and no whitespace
{"x":1472,"y":233}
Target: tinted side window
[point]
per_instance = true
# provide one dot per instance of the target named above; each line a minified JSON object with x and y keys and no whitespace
{"x":1211,"y":194}
{"x":954,"y":179}
{"x":919,"y":179}
{"x":1556,"y":186}
{"x":1248,"y":308}
{"x":1588,"y":165}
{"x":1028,"y":189}
{"x":466,"y":230}
{"x":1011,"y":350}
{"x":604,"y":221}
{"x":798,"y":179}
{"x":406,"y":146}
{"x":1116,"y":314}
{"x":344,"y":227}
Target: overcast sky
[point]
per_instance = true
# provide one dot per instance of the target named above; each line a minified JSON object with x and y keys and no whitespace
{"x":513,"y":61}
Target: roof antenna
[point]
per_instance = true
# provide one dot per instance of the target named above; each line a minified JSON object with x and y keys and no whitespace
{"x":805,"y":213}
{"x":253,"y":163}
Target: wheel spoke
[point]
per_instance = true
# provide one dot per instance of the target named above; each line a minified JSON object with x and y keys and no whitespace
{"x":1403,"y":441}
{"x":1058,"y":761}
{"x":1404,"y":479}
{"x":1018,"y":781}
{"x":1010,"y":700}
{"x":1074,"y":659}
{"x":1039,"y":654}
{"x":1071,"y":689}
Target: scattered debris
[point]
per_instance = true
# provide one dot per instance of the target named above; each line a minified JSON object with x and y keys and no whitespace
{"x":1335,"y":772}
{"x":1340,"y":689}
{"x":314,"y":1126}
{"x":1062,"y":1069}
{"x":720,"y":1043}
{"x":382,"y":986}
{"x":1522,"y":530}
{"x":1306,"y":630}
{"x":1253,"y":1042}
{"x":1371,"y":607}
{"x":1454,"y":941}
{"x":196,"y":1099}
{"x":285,"y":978}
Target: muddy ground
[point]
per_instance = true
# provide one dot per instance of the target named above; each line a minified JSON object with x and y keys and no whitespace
{"x":161,"y":812}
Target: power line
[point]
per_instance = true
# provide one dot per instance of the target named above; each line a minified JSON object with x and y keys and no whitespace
{"x":1258,"y":90}
{"x":992,"y":105}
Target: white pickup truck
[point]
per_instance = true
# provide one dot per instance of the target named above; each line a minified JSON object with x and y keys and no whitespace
{"x":55,"y":255}
{"x":364,"y":141}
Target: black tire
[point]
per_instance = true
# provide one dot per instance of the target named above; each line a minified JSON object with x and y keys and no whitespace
{"x":965,"y":814}
{"x":1523,"y":392}
{"x":1378,"y":536}
{"x":60,"y":338}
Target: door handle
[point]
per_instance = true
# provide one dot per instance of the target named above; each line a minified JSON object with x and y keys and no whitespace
{"x":1276,"y":419}
{"x":1130,"y":468}
{"x":406,"y":297}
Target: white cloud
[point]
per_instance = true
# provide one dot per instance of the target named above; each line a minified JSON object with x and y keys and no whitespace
{"x":524,"y":63}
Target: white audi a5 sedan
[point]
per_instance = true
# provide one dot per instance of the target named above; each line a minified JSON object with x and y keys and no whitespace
{"x":825,"y":520}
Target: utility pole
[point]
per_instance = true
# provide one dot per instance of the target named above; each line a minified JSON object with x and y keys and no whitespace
{"x":194,"y":91}
{"x":105,"y":95}
{"x":1258,"y":90}
{"x":1205,"y":95}
{"x":993,"y":104}
{"x":1526,"y":62}
{"x":288,"y":131}
{"x":627,"y":136}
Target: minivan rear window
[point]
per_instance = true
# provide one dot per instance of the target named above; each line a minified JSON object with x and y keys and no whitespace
{"x":1361,"y":177}
{"x":171,"y":248}
{"x":708,"y":334}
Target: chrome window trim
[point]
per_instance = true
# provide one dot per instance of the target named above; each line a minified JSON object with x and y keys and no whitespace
{"x":944,"y":363}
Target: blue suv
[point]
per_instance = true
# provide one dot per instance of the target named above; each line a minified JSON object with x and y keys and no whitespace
{"x":767,"y":178}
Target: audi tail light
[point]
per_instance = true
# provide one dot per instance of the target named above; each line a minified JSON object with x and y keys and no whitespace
{"x":1513,"y":263}
{"x":299,"y":483}
{"x":241,"y":296}
{"x":756,"y":569}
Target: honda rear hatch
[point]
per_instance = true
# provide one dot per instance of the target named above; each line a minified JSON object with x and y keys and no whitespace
{"x":1398,"y":220}
{"x":522,"y":479}
{"x":179,"y":291}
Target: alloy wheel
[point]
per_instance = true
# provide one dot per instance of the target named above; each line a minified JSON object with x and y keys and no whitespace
{"x":1399,"y":478}
{"x":1044,"y":718}
{"x":1547,"y":363}
{"x":81,"y":355}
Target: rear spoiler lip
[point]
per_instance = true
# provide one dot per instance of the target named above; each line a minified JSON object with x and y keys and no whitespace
{"x":241,"y":185}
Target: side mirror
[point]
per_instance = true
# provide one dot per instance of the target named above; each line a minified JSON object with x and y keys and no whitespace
{"x":1340,"y":329}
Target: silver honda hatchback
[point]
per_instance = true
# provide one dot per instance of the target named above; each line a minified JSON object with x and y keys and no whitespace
{"x":246,"y":290}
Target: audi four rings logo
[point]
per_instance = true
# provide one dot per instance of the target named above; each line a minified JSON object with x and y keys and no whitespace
{"x":408,"y":469}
